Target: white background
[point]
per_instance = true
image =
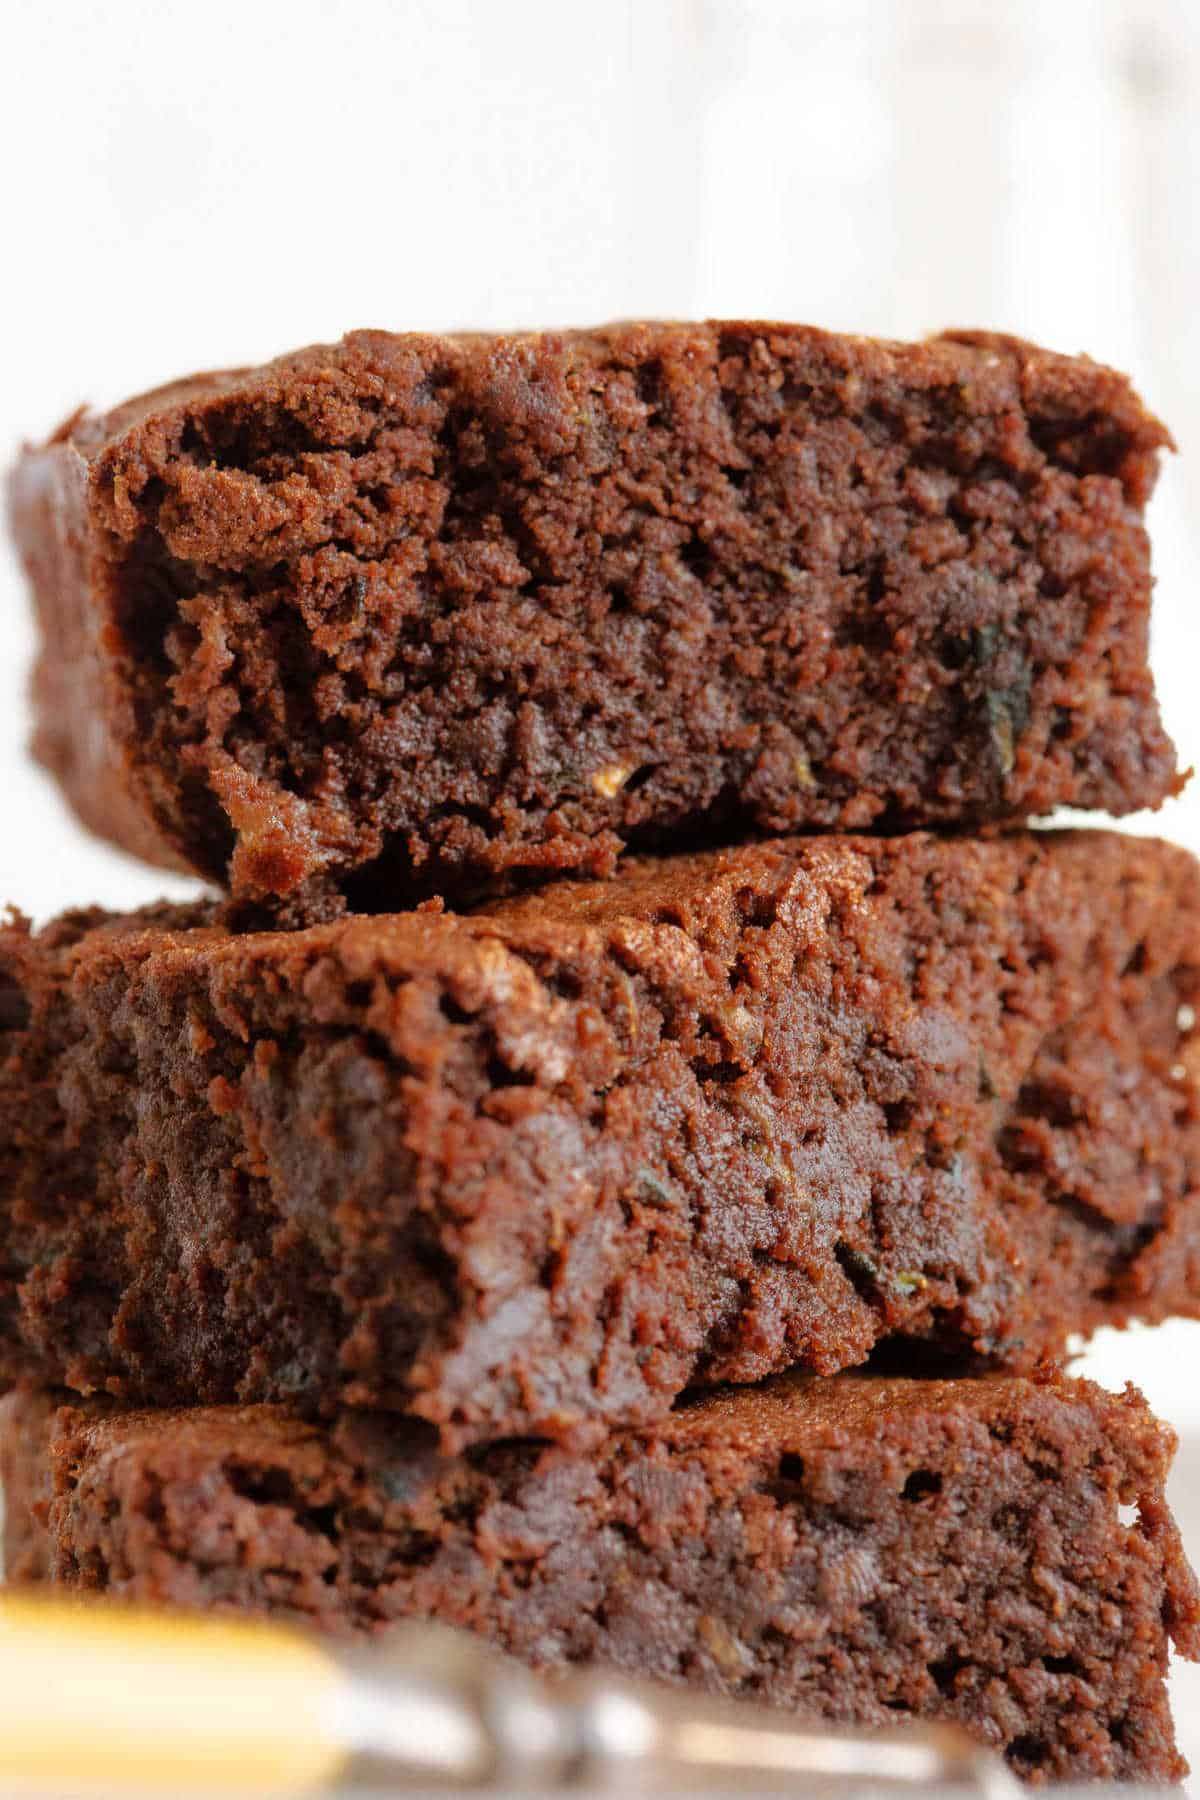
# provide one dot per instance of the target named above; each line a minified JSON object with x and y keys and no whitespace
{"x":190,"y":183}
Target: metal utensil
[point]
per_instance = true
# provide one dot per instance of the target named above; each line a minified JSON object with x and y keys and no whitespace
{"x":98,"y":1699}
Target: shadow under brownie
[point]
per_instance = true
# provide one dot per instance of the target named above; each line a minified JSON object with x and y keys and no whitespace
{"x":997,"y":1552}
{"x":411,"y":613}
{"x":540,"y":1169}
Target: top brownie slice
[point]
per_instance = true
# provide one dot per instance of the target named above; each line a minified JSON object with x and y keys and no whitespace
{"x":412,"y":612}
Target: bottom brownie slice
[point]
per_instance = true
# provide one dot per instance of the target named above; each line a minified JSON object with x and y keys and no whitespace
{"x":995,"y":1551}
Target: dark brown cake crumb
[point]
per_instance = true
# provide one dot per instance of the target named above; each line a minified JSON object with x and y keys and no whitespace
{"x":411,"y":613}
{"x":542,"y":1168}
{"x":856,"y":1550}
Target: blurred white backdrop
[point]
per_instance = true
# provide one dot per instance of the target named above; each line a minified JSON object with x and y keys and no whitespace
{"x":192,"y":185}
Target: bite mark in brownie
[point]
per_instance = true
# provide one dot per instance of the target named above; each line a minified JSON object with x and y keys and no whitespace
{"x":542,"y":1168}
{"x":415,"y":613}
{"x":997,"y":1552}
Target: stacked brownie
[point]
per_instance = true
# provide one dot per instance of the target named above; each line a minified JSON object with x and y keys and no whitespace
{"x":621,"y":1165}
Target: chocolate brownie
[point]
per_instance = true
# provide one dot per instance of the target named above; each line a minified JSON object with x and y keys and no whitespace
{"x":995,"y":1552}
{"x":407,"y":613}
{"x":543,"y":1167}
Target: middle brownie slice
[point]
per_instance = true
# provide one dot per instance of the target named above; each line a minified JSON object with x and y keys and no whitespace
{"x":544,"y":1167}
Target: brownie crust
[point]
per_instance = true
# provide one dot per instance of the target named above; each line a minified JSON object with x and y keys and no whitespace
{"x":540,"y":1169}
{"x":857,"y":1550}
{"x":412,"y":613}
